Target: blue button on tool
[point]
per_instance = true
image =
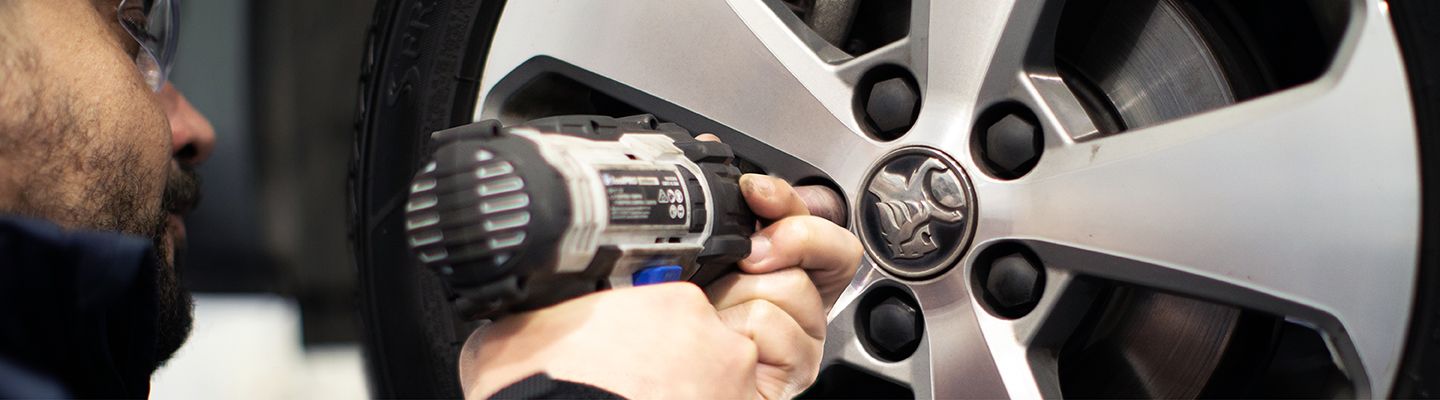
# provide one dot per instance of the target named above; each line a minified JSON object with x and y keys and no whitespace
{"x":653,"y":275}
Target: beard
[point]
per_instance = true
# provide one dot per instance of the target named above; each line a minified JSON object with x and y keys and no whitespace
{"x":176,"y":306}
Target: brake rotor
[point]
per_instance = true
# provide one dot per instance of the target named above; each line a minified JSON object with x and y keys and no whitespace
{"x":1138,"y":63}
{"x":1143,"y":61}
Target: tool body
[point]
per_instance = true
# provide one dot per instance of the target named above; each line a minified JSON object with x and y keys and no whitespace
{"x":522,"y":217}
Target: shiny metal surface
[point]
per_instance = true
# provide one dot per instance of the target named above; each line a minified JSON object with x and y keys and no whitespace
{"x":1304,"y":202}
{"x":1153,"y":63}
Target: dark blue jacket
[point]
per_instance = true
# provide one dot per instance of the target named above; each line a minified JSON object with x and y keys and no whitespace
{"x":77,"y":312}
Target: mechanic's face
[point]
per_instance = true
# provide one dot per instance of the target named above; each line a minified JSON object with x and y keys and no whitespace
{"x":86,"y":143}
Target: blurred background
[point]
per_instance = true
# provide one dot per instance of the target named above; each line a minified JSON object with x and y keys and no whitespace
{"x":269,"y":260}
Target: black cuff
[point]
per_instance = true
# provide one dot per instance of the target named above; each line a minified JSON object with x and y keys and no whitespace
{"x":541,"y":386}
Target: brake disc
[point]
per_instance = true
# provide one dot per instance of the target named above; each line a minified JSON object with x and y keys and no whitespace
{"x":1145,"y":62}
{"x":1147,"y":343}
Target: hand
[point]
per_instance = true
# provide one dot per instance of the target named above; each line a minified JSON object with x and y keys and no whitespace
{"x":797,"y":267}
{"x":661,"y":341}
{"x":772,"y":301}
{"x":810,"y":239}
{"x":827,"y":252}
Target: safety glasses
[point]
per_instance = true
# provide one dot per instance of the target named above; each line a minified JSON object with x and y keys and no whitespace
{"x":153,"y":23}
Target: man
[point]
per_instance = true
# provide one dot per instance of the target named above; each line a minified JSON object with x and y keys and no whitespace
{"x":91,"y":140}
{"x":96,"y":159}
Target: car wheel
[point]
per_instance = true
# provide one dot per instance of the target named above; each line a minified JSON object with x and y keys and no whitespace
{"x":1148,"y":198}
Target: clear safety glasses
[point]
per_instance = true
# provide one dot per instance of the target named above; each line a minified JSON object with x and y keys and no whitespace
{"x":153,"y":23}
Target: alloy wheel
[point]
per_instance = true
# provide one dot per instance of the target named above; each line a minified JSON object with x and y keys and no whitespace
{"x":1219,"y":201}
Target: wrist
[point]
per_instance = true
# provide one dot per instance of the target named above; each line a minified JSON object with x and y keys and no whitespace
{"x":490,"y":363}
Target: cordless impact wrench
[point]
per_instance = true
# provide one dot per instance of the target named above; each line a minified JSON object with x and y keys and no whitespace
{"x":517,"y":218}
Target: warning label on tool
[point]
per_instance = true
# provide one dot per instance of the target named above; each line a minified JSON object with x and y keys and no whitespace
{"x":654,"y":197}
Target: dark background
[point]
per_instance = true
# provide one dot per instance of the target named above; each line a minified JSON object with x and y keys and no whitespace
{"x":278,"y":79}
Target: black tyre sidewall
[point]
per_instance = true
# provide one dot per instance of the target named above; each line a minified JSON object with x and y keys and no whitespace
{"x":420,"y":74}
{"x":1419,"y":37}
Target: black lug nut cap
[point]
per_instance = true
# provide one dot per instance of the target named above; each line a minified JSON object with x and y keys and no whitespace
{"x":894,"y":326}
{"x":1013,"y":281}
{"x":892,"y":105}
{"x":1012,"y":146}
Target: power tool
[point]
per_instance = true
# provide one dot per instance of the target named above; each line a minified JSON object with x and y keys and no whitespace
{"x":517,"y":218}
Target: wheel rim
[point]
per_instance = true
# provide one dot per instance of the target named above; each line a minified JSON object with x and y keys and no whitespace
{"x":1320,"y":225}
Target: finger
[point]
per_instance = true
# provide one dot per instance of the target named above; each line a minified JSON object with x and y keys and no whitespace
{"x":828,"y":253}
{"x":793,"y":356}
{"x":790,"y":289}
{"x":818,"y":200}
{"x":771,"y":198}
{"x":823,"y":202}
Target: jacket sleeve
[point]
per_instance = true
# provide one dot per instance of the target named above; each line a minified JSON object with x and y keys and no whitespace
{"x":542,"y":386}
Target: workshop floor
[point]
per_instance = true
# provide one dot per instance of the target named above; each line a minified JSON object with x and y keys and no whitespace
{"x":248,"y":347}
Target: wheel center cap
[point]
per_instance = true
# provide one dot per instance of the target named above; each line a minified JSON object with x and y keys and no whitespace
{"x":917,"y":214}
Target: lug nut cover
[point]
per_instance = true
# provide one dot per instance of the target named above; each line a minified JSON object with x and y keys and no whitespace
{"x":1010,"y":280}
{"x":887,"y":101}
{"x":891,"y":106}
{"x":1011,"y":145}
{"x":894,"y":325}
{"x":890,"y":323}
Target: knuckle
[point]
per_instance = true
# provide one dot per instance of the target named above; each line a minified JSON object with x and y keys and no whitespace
{"x":808,"y":377}
{"x":808,"y":373}
{"x":688,"y":294}
{"x":796,"y":231}
{"x":765,"y":312}
{"x":791,"y":281}
{"x":684,"y":295}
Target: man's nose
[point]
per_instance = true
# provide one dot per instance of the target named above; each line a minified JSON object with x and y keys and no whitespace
{"x":192,"y":138}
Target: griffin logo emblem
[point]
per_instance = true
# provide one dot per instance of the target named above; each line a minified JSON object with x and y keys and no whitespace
{"x":908,"y":204}
{"x":917,"y":213}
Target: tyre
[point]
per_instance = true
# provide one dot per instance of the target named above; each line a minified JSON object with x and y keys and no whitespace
{"x":416,"y":71}
{"x":1156,"y":198}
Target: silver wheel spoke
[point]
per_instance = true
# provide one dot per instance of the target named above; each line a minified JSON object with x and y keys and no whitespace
{"x":983,"y":51}
{"x":1320,"y":223}
{"x":800,"y":51}
{"x":701,"y":55}
{"x":960,"y":363}
{"x":842,"y":340}
{"x":976,"y":38}
{"x":1025,"y":349}
{"x":935,"y":370}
